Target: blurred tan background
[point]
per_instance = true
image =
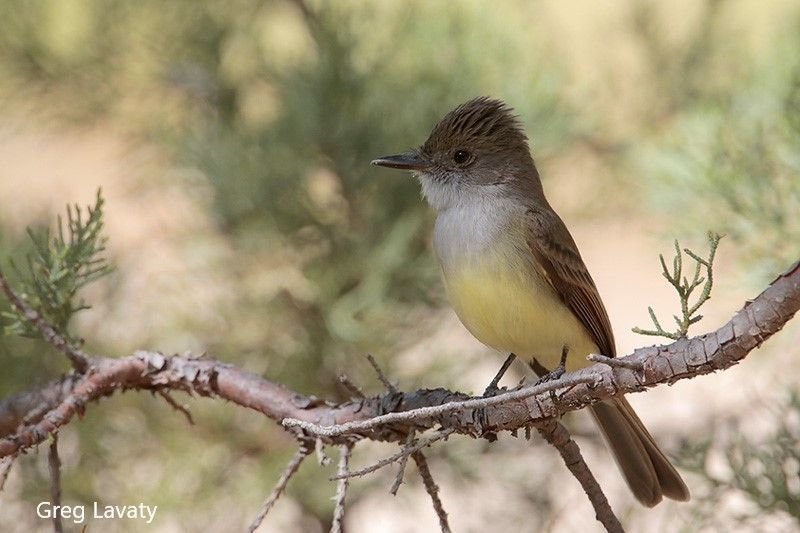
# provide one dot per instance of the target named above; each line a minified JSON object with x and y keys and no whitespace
{"x":232,"y":141}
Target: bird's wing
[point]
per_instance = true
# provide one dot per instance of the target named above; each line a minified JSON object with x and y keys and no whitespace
{"x":562,"y":265}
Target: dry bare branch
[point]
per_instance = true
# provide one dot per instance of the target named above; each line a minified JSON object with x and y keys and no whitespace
{"x":614,"y":362}
{"x":291,"y":468}
{"x":557,"y":435}
{"x":54,"y":465}
{"x":381,"y":376}
{"x":31,"y":417}
{"x":343,"y":475}
{"x":404,"y":452}
{"x":401,"y":469}
{"x":427,"y":412}
{"x":432,"y":488}
{"x":5,"y":468}
{"x":175,"y":405}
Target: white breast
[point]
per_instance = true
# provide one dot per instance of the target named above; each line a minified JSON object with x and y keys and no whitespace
{"x":469,"y":227}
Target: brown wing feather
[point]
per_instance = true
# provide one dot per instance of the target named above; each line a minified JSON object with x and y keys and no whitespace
{"x":552,"y":244}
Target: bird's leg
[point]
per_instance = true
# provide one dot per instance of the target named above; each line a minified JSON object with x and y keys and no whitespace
{"x":491,"y":388}
{"x":559,"y":370}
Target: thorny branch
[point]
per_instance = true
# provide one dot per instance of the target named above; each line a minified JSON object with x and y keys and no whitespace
{"x":28,"y":419}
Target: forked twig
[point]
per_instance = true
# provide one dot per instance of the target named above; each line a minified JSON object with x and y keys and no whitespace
{"x":175,"y":405}
{"x":401,"y":470}
{"x":406,"y":451}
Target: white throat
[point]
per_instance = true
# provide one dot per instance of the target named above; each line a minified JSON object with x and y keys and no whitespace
{"x":470,"y":218}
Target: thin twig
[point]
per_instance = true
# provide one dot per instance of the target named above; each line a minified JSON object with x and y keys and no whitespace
{"x":557,"y":435}
{"x":319,"y":450}
{"x":401,"y":470}
{"x":615,"y":362}
{"x":432,"y":488}
{"x":406,"y":451}
{"x":424,"y":412}
{"x":381,"y":376}
{"x":5,"y":468}
{"x":492,"y":386}
{"x":175,"y":405}
{"x":341,"y":487}
{"x":54,"y":464}
{"x":302,"y":452}
{"x":80,"y":361}
{"x":354,"y":389}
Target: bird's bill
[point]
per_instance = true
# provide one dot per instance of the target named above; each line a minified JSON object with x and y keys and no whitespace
{"x":407,"y":161}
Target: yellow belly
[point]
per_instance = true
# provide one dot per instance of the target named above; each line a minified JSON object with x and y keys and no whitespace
{"x":511,"y":309}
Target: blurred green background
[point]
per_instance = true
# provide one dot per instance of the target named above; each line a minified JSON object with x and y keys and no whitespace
{"x":232,"y":141}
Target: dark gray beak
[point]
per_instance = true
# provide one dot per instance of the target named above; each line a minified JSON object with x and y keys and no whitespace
{"x":406,"y":161}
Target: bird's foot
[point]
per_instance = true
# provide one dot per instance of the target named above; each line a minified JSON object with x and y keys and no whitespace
{"x":492,"y":389}
{"x":559,"y":371}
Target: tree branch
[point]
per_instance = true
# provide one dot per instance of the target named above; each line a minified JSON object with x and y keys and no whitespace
{"x":31,"y":417}
{"x":80,"y":361}
{"x":432,"y":488}
{"x":556,"y":434}
{"x":302,"y":452}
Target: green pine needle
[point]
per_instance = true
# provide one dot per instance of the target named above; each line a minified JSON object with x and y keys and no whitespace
{"x":685,"y":288}
{"x":60,"y":265}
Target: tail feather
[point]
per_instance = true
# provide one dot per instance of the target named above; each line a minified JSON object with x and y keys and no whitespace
{"x":644,"y":466}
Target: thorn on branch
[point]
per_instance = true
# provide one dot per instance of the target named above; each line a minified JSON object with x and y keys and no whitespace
{"x":291,"y":468}
{"x":54,"y":464}
{"x":432,"y":488}
{"x":685,"y":288}
{"x":341,"y":487}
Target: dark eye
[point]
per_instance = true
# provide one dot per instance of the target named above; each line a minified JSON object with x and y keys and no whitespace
{"x":461,"y":156}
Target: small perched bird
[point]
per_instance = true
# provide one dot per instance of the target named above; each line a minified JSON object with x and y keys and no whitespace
{"x":513,"y":273}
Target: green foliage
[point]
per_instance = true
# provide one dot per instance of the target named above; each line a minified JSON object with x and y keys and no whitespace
{"x":734,"y":164}
{"x":765,"y":471}
{"x":685,"y":289}
{"x":58,"y":268}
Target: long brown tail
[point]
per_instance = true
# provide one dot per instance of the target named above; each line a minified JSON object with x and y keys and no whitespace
{"x":647,"y":471}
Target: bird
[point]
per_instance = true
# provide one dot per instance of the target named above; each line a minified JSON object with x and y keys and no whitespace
{"x":514,"y":275}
